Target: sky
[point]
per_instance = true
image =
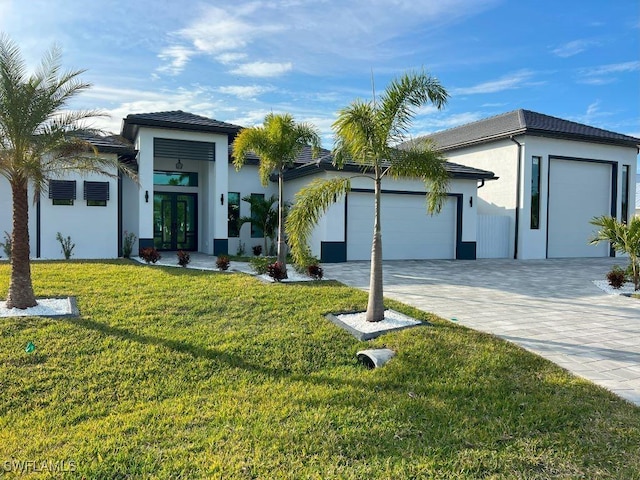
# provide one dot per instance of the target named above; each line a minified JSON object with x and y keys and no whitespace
{"x":238,"y":60}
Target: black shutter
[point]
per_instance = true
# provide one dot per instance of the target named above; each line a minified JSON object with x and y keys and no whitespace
{"x":96,"y":191}
{"x":184,"y":149}
{"x":62,"y":189}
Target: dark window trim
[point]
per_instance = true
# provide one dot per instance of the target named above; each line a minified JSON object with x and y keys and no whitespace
{"x":233,"y":219}
{"x":535,"y":187}
{"x":624,"y":194}
{"x":62,"y":190}
{"x":256,"y":232}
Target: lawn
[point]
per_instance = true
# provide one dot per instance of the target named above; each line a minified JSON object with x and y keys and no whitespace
{"x":174,"y":373}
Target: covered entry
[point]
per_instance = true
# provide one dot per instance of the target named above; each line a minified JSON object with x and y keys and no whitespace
{"x":408,"y":232}
{"x":578,"y":191}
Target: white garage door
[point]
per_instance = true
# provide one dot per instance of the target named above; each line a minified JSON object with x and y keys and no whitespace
{"x":578,"y":191}
{"x":408,"y":232}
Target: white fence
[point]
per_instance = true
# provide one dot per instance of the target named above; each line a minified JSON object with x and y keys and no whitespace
{"x":493,"y":236}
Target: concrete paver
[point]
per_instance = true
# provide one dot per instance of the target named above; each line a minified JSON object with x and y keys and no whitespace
{"x":550,"y":307}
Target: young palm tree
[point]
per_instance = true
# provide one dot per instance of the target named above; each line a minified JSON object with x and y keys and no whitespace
{"x":624,"y":238}
{"x":263,"y":216}
{"x":38,"y":139}
{"x":277,"y":143}
{"x":368,"y":133}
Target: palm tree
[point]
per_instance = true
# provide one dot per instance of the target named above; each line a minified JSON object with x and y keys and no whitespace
{"x":263,"y":216}
{"x":277,"y":143}
{"x":624,"y":238}
{"x":38,"y":139}
{"x":368,"y":134}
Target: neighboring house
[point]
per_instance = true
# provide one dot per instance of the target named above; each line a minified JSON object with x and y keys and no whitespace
{"x":188,"y":194}
{"x":554,"y":177}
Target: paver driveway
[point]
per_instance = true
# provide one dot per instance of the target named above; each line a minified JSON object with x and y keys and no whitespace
{"x":550,"y":307}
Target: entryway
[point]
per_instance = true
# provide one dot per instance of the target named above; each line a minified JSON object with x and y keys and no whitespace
{"x":175,"y":221}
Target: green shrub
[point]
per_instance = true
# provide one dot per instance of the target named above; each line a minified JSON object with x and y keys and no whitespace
{"x":6,"y":246}
{"x":127,"y":244}
{"x":66,"y":244}
{"x":260,"y":264}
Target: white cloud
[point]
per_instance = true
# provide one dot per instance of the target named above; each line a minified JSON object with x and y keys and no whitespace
{"x":262,"y":69}
{"x":624,"y":67}
{"x":573,"y":48}
{"x":177,"y":57}
{"x":245,"y":92}
{"x":508,"y":82}
{"x":231,"y":57}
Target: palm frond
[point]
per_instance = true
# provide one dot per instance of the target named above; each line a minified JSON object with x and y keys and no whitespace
{"x":310,"y":203}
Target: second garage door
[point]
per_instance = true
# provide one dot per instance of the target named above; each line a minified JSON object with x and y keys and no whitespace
{"x":578,"y":191}
{"x":408,"y":232}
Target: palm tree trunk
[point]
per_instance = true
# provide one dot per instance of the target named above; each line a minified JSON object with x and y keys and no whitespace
{"x":20,"y":287}
{"x":282,"y":246}
{"x":375,"y":305}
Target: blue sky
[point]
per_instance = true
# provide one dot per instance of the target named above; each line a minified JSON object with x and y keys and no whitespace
{"x":237,"y":61}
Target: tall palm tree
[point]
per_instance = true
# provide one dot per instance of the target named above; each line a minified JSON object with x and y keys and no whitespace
{"x":277,"y":143}
{"x":38,"y":139}
{"x":624,"y":238}
{"x":368,"y":133}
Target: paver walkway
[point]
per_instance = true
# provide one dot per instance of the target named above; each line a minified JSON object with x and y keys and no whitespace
{"x":550,"y":307}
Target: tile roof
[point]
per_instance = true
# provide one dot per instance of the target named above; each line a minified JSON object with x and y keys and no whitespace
{"x":324,"y":162}
{"x":520,"y":122}
{"x":176,"y":119}
{"x":109,"y":143}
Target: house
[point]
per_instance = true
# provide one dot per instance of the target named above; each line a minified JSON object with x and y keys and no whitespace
{"x":554,"y":177}
{"x":638,"y":194}
{"x":188,"y":194}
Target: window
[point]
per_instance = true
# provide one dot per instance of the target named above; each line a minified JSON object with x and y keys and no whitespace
{"x":62,"y":192}
{"x":625,"y":193}
{"x":177,"y":179}
{"x":96,"y":193}
{"x":233,"y":203}
{"x":535,"y":193}
{"x":256,"y":232}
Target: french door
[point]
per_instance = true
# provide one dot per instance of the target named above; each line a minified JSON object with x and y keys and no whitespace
{"x":175,"y":221}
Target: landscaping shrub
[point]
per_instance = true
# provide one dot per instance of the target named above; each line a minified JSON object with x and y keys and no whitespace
{"x":241,"y":249}
{"x":66,"y":244}
{"x":276,"y":271}
{"x":257,"y":250}
{"x":150,"y":254}
{"x":315,"y":272}
{"x":616,"y":277}
{"x":127,"y":244}
{"x":222,"y":262}
{"x":260,"y":264}
{"x":183,"y":258}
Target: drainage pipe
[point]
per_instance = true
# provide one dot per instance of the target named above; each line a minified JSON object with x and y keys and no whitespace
{"x":518,"y":175}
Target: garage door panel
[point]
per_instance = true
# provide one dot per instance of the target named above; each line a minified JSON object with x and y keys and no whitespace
{"x":408,"y":232}
{"x":578,"y":191}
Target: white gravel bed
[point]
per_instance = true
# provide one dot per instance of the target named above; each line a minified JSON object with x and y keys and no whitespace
{"x":47,"y":307}
{"x":392,"y":320}
{"x":626,"y":289}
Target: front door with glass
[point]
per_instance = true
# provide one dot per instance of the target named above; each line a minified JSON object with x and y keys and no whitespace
{"x":175,"y":221}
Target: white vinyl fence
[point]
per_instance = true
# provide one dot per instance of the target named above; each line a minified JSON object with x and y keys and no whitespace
{"x":493,"y":236}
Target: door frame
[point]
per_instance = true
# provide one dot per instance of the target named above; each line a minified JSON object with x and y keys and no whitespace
{"x":174,"y":202}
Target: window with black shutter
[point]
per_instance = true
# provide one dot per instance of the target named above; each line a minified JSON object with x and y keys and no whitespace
{"x":96,"y":193}
{"x":62,"y":192}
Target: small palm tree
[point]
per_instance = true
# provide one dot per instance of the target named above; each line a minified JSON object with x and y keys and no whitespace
{"x":38,"y":139}
{"x":368,"y":133}
{"x":624,"y":238}
{"x":263,"y":216}
{"x":277,"y":143}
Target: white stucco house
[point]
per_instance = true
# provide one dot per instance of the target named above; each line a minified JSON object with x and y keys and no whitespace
{"x":554,"y":176}
{"x":189,"y":194}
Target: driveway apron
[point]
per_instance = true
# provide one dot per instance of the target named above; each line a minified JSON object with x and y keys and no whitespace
{"x":550,"y":307}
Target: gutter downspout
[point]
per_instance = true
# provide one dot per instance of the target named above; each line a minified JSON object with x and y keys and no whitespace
{"x":518,"y":178}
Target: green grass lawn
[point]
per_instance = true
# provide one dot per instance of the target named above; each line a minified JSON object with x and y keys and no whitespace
{"x":174,"y":373}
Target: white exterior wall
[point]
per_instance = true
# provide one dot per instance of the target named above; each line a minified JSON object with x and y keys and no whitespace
{"x":246,"y":181}
{"x":131,"y":209}
{"x":496,"y":197}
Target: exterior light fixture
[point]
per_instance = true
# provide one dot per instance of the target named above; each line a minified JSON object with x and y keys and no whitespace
{"x":179,"y":165}
{"x":222,"y":199}
{"x":471,"y":201}
{"x":146,"y":196}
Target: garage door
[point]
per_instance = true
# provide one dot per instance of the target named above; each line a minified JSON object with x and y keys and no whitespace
{"x":578,"y":191}
{"x":408,"y":232}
